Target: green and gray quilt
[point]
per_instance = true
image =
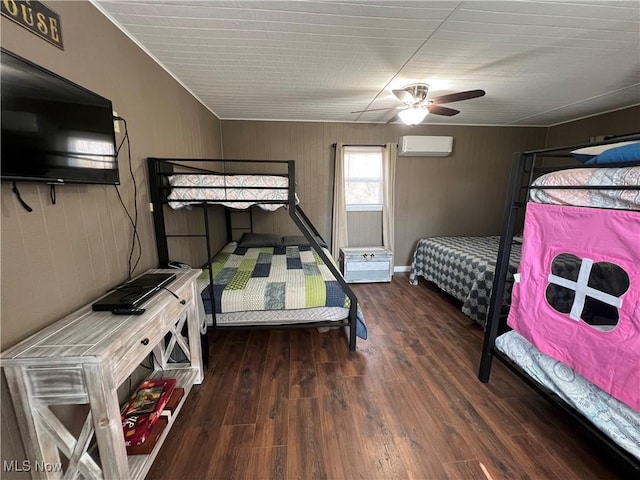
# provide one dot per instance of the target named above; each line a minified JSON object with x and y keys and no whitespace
{"x":272,"y":278}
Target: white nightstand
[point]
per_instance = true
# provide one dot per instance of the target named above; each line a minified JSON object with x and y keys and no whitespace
{"x":366,"y":264}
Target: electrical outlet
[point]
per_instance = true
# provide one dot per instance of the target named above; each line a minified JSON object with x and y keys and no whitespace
{"x":116,"y":123}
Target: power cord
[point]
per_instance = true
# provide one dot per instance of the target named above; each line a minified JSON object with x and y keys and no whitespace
{"x":172,"y":293}
{"x":16,"y":192}
{"x":135,"y":238}
{"x":132,"y":292}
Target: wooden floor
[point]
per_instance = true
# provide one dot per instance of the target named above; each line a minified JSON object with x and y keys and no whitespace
{"x":296,"y":404}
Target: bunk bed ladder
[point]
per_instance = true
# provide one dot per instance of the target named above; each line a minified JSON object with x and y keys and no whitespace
{"x":309,"y":231}
{"x":155,"y":190}
{"x":502,"y":265}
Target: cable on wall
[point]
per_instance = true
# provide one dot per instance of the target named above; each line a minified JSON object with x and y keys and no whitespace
{"x":16,"y":192}
{"x":135,"y":238}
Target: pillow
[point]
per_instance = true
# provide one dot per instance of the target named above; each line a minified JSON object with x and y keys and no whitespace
{"x":626,"y":153}
{"x":257,"y":240}
{"x":301,"y":241}
{"x":585,"y":154}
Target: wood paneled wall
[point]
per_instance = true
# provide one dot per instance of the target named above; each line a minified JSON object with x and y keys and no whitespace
{"x":62,"y":256}
{"x":619,"y":122}
{"x":462,"y":194}
{"x":67,"y":254}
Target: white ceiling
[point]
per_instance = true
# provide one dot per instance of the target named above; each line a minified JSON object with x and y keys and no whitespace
{"x":540,"y":62}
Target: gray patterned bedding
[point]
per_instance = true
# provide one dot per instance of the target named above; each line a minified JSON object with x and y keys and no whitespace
{"x":619,"y":421}
{"x":273,"y":280}
{"x":463,"y":267}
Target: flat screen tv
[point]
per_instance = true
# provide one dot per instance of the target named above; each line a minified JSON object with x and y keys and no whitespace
{"x":53,"y":130}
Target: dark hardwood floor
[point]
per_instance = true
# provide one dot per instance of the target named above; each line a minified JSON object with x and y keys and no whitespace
{"x":296,"y":404}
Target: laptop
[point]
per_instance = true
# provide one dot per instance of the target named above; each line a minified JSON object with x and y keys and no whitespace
{"x":132,"y":294}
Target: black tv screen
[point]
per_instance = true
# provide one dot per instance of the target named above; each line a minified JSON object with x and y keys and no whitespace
{"x":52,"y":129}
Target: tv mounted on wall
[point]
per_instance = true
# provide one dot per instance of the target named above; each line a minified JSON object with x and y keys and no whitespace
{"x":53,"y":130}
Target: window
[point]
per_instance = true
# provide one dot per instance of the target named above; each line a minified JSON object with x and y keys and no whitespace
{"x":587,"y":290}
{"x":363,"y":178}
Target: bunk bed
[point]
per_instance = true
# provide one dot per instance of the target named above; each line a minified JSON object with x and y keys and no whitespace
{"x":263,"y":281}
{"x":573,"y":330}
{"x":464,"y":268}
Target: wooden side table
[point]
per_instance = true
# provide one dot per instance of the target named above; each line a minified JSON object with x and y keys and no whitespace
{"x":83,"y":359}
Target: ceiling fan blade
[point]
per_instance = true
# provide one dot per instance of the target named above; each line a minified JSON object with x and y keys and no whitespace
{"x":374,"y":109}
{"x":440,"y":110}
{"x":404,"y":96}
{"x":457,"y":97}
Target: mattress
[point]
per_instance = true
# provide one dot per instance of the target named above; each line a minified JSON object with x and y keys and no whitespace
{"x":464,"y":268}
{"x":616,"y":419}
{"x":273,"y":286}
{"x":234,"y":191}
{"x":280,"y":317}
{"x":601,"y":198}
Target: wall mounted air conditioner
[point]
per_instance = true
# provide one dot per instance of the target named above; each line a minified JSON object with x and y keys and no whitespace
{"x":425,"y":146}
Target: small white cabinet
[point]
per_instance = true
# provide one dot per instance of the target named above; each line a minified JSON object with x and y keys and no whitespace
{"x":366,"y":264}
{"x":82,"y":359}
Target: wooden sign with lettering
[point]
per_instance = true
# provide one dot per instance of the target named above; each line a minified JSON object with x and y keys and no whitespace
{"x":35,"y":17}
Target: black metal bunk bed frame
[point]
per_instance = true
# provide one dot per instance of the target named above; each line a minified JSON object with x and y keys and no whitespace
{"x":523,"y":172}
{"x":159,"y":171}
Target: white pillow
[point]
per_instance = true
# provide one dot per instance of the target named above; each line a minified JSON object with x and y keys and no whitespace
{"x":587,"y":153}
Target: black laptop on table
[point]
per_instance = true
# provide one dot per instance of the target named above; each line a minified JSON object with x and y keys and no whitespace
{"x":130,"y":295}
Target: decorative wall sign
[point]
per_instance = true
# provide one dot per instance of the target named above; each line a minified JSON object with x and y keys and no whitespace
{"x":35,"y":17}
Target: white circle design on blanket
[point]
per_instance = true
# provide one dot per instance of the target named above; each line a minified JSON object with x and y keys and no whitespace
{"x":564,"y":372}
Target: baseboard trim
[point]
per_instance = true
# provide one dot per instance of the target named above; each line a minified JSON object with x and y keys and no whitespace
{"x":401,"y":269}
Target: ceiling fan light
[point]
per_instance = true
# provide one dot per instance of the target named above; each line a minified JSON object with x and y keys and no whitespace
{"x":413,"y":116}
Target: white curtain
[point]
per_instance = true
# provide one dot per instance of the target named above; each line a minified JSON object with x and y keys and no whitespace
{"x":339,"y":235}
{"x":388,"y":195}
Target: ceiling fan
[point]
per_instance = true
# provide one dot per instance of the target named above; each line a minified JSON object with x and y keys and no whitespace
{"x":418,"y":106}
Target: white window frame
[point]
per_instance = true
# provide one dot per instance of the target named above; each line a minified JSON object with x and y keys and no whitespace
{"x":363,"y":207}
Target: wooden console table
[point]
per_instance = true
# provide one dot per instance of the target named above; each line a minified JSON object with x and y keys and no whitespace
{"x":83,"y":359}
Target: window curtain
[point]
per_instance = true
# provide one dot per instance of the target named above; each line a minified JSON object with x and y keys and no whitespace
{"x":388,"y":195}
{"x":339,"y":235}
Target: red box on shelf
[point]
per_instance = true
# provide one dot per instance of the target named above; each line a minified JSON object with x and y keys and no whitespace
{"x":172,"y":404}
{"x":146,"y":447}
{"x":144,"y":408}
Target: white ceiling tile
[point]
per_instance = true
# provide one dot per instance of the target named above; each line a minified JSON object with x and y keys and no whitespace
{"x":540,"y":62}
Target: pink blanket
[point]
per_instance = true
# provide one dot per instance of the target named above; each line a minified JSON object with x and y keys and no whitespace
{"x":577,"y":296}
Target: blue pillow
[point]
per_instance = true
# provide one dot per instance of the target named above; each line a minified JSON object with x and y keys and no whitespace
{"x":626,"y":153}
{"x":583,"y":155}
